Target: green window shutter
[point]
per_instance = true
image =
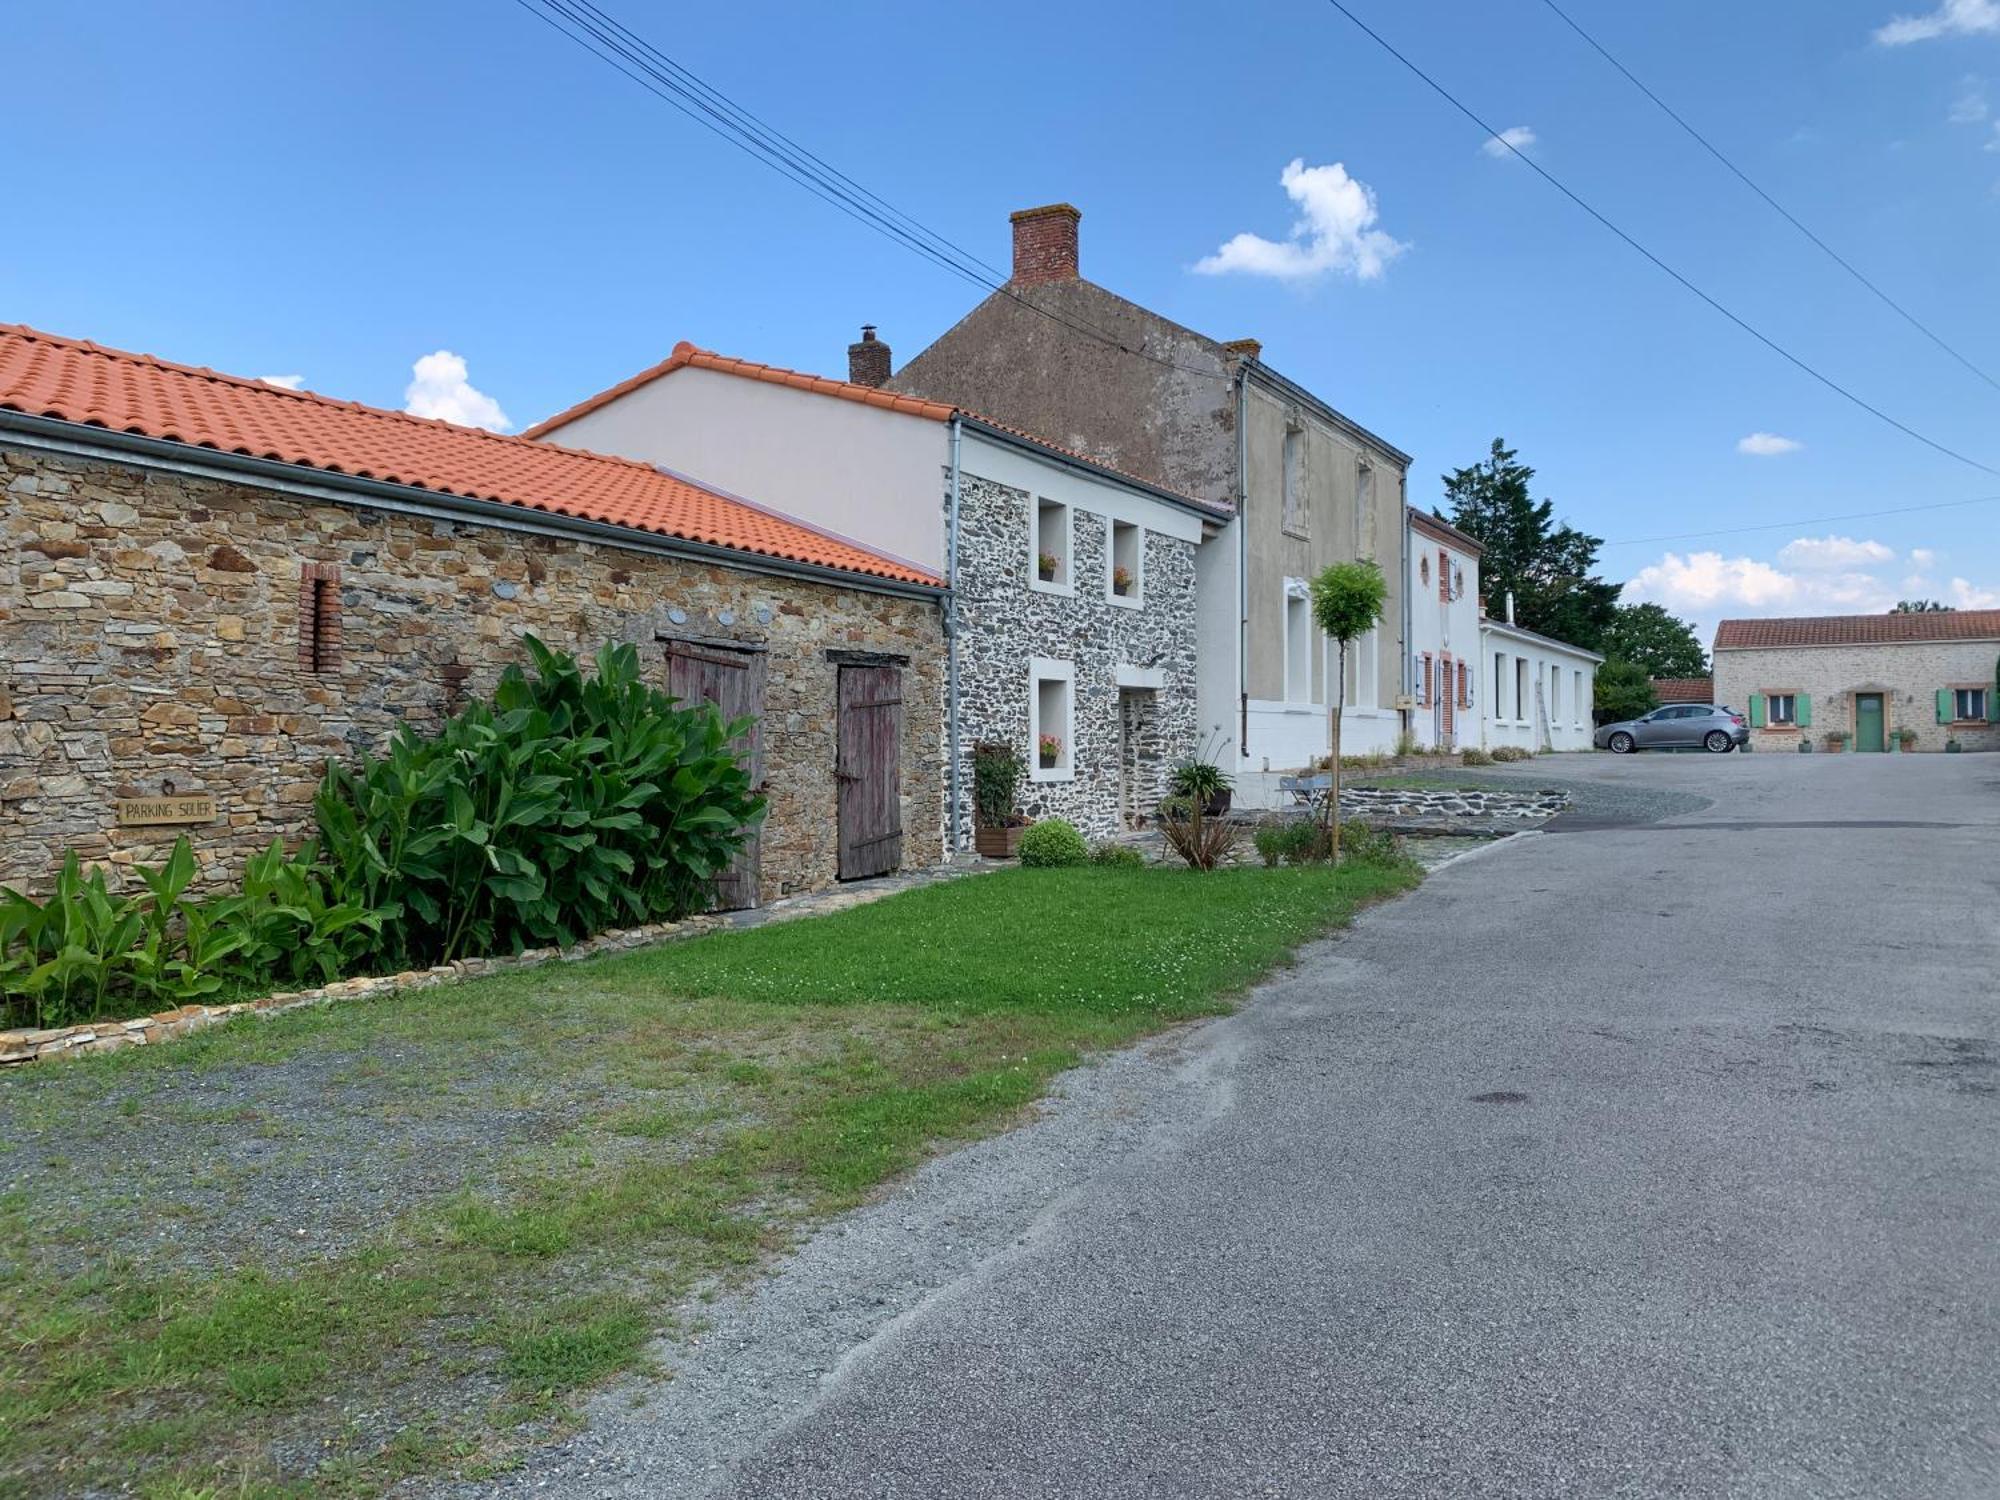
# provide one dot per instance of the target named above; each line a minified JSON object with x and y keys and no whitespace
{"x":1992,"y":706}
{"x":1805,"y":710}
{"x":1756,"y":710}
{"x":1944,"y":705}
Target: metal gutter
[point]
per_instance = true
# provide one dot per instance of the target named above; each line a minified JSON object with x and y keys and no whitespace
{"x":1523,"y":633}
{"x":1348,"y":425}
{"x":1243,"y":560}
{"x":950,"y":605}
{"x":75,"y":439}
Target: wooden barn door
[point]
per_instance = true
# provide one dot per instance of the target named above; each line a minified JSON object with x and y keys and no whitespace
{"x":869,"y":771}
{"x":734,"y":682}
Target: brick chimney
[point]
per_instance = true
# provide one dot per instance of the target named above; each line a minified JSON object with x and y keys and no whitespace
{"x":1045,"y":244}
{"x":1243,"y":349}
{"x":868,"y":361}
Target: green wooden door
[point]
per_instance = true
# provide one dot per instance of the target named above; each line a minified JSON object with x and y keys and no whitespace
{"x":1868,"y":722}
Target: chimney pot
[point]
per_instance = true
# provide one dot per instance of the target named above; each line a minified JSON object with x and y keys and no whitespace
{"x":1244,"y":349}
{"x":868,"y":360}
{"x":1045,"y":244}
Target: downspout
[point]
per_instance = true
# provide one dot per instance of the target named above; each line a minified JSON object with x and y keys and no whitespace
{"x":951,"y":635}
{"x":1243,"y":560}
{"x":1408,"y":674}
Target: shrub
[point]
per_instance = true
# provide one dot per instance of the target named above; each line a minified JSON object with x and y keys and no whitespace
{"x":996,"y":781}
{"x":1406,"y":745}
{"x":1117,"y":857}
{"x":1360,"y":844}
{"x":568,"y":805}
{"x":1309,"y":842}
{"x":1269,"y":838}
{"x":1052,"y":843}
{"x":1512,"y":752}
{"x":1472,"y":755}
{"x":1202,"y":841}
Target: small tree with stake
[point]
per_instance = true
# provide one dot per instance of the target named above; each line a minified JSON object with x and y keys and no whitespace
{"x":1347,"y":601}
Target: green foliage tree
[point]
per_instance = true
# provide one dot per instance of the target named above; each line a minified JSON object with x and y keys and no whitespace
{"x":1549,"y":569}
{"x":1920,"y":607}
{"x":1624,"y":690}
{"x":1347,"y":603}
{"x":1646,"y":635}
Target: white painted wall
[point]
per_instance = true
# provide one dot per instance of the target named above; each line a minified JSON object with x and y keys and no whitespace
{"x":1503,"y":721}
{"x":873,"y":476}
{"x":1444,"y":627}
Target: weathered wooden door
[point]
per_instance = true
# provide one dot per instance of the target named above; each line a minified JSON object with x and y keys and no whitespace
{"x":869,"y":771}
{"x":734,"y":682}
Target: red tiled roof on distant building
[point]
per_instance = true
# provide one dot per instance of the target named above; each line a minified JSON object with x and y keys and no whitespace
{"x":1684,"y":689}
{"x":44,"y":375}
{"x":1858,"y":630}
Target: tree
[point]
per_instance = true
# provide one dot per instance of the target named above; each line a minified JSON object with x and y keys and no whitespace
{"x":1920,"y":607}
{"x":1648,"y":636}
{"x":1624,"y":690}
{"x":1547,"y":568}
{"x":1347,"y":601}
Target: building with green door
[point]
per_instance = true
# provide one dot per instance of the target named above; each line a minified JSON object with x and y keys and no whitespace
{"x":1870,"y":684}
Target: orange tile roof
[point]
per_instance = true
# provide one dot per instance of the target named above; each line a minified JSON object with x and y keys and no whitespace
{"x":74,"y":381}
{"x":1858,"y":630}
{"x":1684,"y":689}
{"x":687,"y":356}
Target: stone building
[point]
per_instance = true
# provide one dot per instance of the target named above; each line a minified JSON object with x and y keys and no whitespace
{"x":208,"y":586}
{"x":1074,"y":621}
{"x":1869,"y":677}
{"x":1303,"y":485}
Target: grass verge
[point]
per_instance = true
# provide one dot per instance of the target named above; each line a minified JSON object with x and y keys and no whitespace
{"x":550,"y":1163}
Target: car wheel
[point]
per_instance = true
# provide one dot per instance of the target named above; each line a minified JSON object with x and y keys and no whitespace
{"x":1718,"y":742}
{"x":1620,"y":743}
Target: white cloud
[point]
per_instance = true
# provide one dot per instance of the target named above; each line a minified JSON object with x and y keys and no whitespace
{"x":1507,"y":142}
{"x":1923,"y":557}
{"x":1951,"y":18}
{"x":1767,"y":444}
{"x":1335,"y":233}
{"x":1965,"y":596}
{"x":1971,"y":106}
{"x":1821,"y":554}
{"x":287,"y":382}
{"x":439,"y":388}
{"x":1706,"y":587}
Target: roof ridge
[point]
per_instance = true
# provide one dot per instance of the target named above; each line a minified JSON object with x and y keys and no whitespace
{"x":265,"y":388}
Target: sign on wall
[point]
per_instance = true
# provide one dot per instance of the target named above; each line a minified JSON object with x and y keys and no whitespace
{"x":145,"y":812}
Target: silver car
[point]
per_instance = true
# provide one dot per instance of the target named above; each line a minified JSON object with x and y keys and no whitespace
{"x":1676,"y":726}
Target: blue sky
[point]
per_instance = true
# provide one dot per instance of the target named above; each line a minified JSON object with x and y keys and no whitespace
{"x":336,"y":192}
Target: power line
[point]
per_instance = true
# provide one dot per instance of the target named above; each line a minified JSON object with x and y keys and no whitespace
{"x":1852,"y":515}
{"x":623,"y":49}
{"x":1786,"y":214}
{"x":1553,"y":181}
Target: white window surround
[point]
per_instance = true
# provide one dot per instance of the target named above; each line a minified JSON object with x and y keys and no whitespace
{"x":1576,"y":699}
{"x":1045,"y":673}
{"x":1297,"y":637}
{"x":1065,"y":579}
{"x":1142,"y":677}
{"x":1133,"y":557}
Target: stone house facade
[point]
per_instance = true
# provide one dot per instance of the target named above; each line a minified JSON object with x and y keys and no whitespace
{"x":183,"y":622}
{"x":1073,"y":610}
{"x":1303,"y":486}
{"x":1870,"y":677}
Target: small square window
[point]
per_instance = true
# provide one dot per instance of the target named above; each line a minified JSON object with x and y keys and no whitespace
{"x":1126,"y":559}
{"x":1051,"y":543}
{"x":1051,"y":720}
{"x":1968,"y":703}
{"x":1781,"y":709}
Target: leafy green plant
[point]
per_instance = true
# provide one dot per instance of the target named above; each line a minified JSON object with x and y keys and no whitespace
{"x":1202,"y":841}
{"x":996,"y":781}
{"x":1269,"y":839}
{"x":1117,"y":857}
{"x":1200,"y":780}
{"x":1347,"y":603}
{"x":1360,"y":844}
{"x":1052,"y":843}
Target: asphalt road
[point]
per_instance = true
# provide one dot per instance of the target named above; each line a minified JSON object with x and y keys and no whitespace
{"x":1640,"y":1159}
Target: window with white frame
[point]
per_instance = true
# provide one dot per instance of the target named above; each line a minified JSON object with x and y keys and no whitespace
{"x":1499,"y":684}
{"x":1051,"y":720}
{"x":1576,"y":697}
{"x":1298,"y":642}
{"x":1125,"y":558}
{"x":1363,"y":672}
{"x":1555,"y":692}
{"x":1781,"y":710}
{"x":1521,"y":688}
{"x":1050,"y":542}
{"x":1968,"y":703}
{"x":1297,"y":513}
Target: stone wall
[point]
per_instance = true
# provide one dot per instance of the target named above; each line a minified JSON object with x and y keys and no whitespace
{"x":151,"y":625}
{"x":1907,"y":675}
{"x":1003,"y":624}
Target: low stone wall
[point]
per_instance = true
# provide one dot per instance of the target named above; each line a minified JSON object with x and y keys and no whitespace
{"x":1427,"y":802}
{"x":26,"y":1045}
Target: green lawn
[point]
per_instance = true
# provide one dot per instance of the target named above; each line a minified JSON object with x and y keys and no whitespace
{"x":535,"y":1170}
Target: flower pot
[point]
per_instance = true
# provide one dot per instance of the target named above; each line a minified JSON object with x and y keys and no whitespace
{"x":1805,"y":747}
{"x":1048,"y":762}
{"x":998,"y":843}
{"x":1047,"y":575}
{"x":1217,"y":805}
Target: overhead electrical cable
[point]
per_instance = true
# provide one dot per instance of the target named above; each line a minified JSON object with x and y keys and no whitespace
{"x":1852,"y":515}
{"x":1786,"y":214}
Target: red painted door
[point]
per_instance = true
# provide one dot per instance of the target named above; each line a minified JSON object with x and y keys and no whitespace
{"x":734,"y":682}
{"x":869,"y":771}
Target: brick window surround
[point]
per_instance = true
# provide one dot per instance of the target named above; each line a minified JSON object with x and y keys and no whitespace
{"x":319,"y":617}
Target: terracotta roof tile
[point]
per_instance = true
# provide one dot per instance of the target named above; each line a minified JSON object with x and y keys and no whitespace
{"x":1684,"y":689}
{"x":74,"y":381}
{"x":687,"y":356}
{"x":1858,"y":630}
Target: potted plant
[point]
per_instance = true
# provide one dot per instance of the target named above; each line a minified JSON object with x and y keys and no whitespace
{"x":1045,"y":566}
{"x":1049,"y":747}
{"x":1204,"y":782}
{"x":1952,"y":746}
{"x":996,"y":778}
{"x":1805,"y":746}
{"x":1906,"y":739}
{"x":1836,"y":741}
{"x":1121,"y":581}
